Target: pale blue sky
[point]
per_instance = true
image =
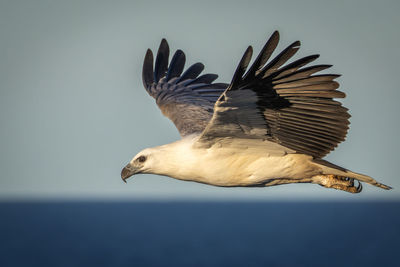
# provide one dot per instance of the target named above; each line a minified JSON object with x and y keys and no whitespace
{"x":73,"y":109}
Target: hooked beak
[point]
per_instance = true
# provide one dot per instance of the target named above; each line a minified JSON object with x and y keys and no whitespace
{"x":128,"y":171}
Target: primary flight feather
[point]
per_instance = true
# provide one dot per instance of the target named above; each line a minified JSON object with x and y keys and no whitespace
{"x":271,"y":125}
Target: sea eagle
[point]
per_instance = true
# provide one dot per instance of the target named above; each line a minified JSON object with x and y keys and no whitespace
{"x":271,"y":125}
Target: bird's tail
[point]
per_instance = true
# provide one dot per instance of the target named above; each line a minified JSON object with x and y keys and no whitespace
{"x":332,"y":169}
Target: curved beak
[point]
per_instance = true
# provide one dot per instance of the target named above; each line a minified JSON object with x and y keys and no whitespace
{"x":128,"y":171}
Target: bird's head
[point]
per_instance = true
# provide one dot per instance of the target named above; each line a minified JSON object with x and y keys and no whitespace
{"x":141,"y":163}
{"x":162,"y":160}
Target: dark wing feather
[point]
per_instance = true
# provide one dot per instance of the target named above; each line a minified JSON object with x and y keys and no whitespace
{"x":286,"y":104}
{"x":176,"y":66}
{"x":205,"y":78}
{"x":161,"y":60}
{"x":187,"y":99}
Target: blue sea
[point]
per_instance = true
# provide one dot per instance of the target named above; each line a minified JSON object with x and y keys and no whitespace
{"x":199,"y":234}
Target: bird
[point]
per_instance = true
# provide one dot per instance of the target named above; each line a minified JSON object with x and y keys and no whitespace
{"x":271,"y":125}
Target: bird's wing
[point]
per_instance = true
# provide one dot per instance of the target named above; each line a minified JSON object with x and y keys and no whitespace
{"x":283,"y":103}
{"x":187,"y":99}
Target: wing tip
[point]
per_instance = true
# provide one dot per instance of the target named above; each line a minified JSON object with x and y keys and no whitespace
{"x":161,"y":65}
{"x":275,"y":36}
{"x":147,"y":71}
{"x":242,"y":66}
{"x":164,"y":42}
{"x":163,"y":48}
{"x":176,"y":65}
{"x":295,"y":45}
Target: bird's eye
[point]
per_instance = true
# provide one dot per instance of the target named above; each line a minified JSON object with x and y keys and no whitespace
{"x":142,"y":159}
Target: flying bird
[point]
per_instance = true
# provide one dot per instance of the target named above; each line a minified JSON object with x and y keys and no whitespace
{"x":271,"y":125}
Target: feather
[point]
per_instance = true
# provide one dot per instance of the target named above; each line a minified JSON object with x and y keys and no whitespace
{"x":205,"y":78}
{"x":176,"y":66}
{"x":147,"y":72}
{"x":192,"y":72}
{"x":161,"y":60}
{"x":294,"y":66}
{"x":302,"y":73}
{"x":264,"y":55}
{"x":241,"y":68}
{"x":280,"y":59}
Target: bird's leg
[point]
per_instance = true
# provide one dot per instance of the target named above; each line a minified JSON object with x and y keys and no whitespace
{"x":337,"y":182}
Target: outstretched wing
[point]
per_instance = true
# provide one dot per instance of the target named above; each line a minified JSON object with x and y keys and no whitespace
{"x":187,"y":99}
{"x":286,"y":104}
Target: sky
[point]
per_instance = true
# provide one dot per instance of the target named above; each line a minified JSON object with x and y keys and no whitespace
{"x":73,"y":109}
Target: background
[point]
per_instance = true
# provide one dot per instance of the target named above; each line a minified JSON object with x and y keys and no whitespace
{"x":73,"y":112}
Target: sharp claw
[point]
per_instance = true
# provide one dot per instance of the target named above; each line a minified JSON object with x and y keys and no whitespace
{"x":359,"y":187}
{"x":343,"y":183}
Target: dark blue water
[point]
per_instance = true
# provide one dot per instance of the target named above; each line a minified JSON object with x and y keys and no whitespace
{"x":199,"y":234}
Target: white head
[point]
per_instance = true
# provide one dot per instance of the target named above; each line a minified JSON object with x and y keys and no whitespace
{"x":143,"y":162}
{"x":163,"y":160}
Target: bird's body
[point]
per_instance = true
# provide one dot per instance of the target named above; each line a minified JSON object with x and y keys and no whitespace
{"x":251,"y":162}
{"x":271,"y":125}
